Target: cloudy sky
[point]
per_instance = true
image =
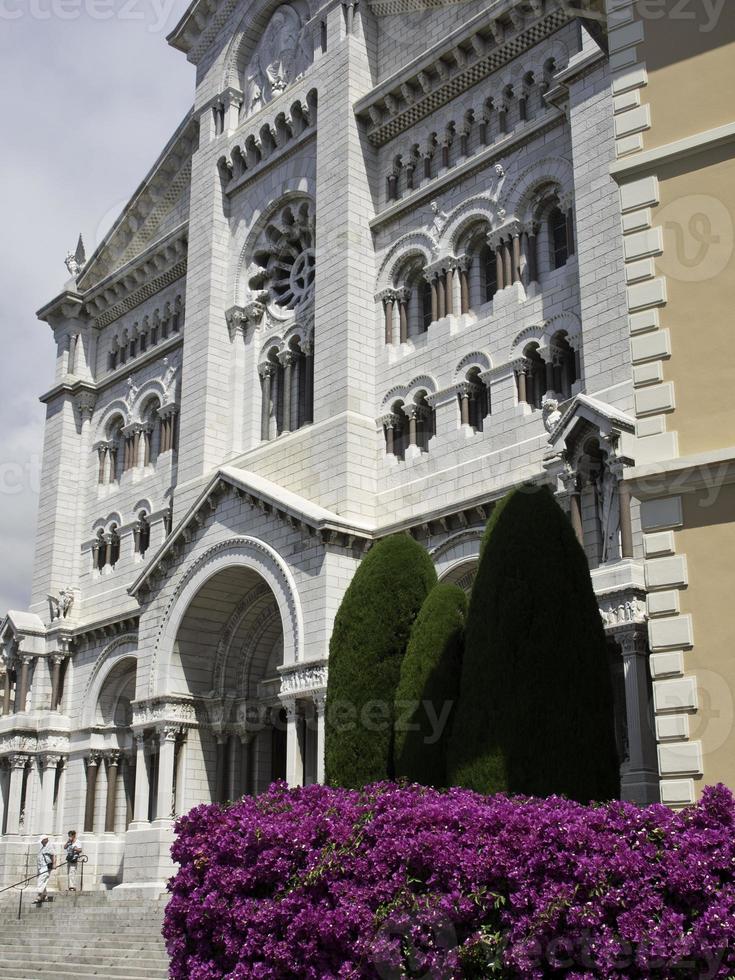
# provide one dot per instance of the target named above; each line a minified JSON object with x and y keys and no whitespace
{"x":90,"y":92}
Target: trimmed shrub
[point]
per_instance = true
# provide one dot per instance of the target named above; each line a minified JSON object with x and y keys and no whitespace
{"x":319,"y":884}
{"x":428,"y":688}
{"x":369,"y":640}
{"x":535,"y":714}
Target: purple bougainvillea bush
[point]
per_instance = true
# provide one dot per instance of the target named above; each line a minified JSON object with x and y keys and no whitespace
{"x":403,"y":881}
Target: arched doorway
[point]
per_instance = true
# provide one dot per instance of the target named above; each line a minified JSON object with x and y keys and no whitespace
{"x":226,"y":658}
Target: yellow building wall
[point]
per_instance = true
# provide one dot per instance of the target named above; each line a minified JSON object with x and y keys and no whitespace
{"x":690,"y":59}
{"x":708,"y":541}
{"x":697,"y":216}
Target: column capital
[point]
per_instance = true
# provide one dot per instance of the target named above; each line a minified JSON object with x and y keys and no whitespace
{"x":462,"y":262}
{"x":266,"y":369}
{"x":468,"y":388}
{"x":239,"y":318}
{"x":414,"y":411}
{"x":169,"y":733}
{"x":388,"y":295}
{"x":18,"y":760}
{"x":51,"y":760}
{"x":287,"y":357}
{"x":112,"y":757}
{"x":390,"y":420}
{"x":320,"y":702}
{"x":94,"y":758}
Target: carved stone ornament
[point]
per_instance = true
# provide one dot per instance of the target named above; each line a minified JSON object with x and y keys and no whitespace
{"x":550,"y":412}
{"x":438,"y":221}
{"x":282,"y":55}
{"x":76,"y":260}
{"x":303,"y":680}
{"x":618,"y":610}
{"x":159,"y":711}
{"x":60,"y":606}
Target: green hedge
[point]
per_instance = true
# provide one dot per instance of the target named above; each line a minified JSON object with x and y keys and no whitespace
{"x":369,"y":640}
{"x":535,"y":713}
{"x":429,"y":687}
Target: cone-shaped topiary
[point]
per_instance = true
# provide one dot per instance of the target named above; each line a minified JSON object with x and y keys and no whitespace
{"x":428,"y":689}
{"x":535,"y":714}
{"x":369,"y":640}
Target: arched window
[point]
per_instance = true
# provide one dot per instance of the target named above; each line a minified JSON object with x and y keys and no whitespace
{"x":116,"y":450}
{"x":559,"y":238}
{"x":395,"y":431}
{"x":532,"y":377}
{"x":474,"y":401}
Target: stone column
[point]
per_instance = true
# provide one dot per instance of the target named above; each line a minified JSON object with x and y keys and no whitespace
{"x":266,"y":372}
{"x":113,"y":768}
{"x":642,"y":763}
{"x":441,"y":297}
{"x":112,"y":463}
{"x":92,"y":772}
{"x":18,"y":764}
{"x":449,"y":290}
{"x":7,"y":690}
{"x":50,"y":765}
{"x":294,"y":747}
{"x":516,"y":256}
{"x":4,"y":789}
{"x":499,"y":267}
{"x":23,"y":683}
{"x":388,"y":298}
{"x":308,"y":350}
{"x":533,"y":255}
{"x":508,"y":278}
{"x":403,"y":295}
{"x":244,"y":773}
{"x":56,"y":662}
{"x":219,"y":788}
{"x":166,"y":756}
{"x":142,"y":783}
{"x":390,"y":420}
{"x":287,"y":360}
{"x":102,"y":455}
{"x":522,"y":375}
{"x":575,"y":512}
{"x":147,"y":442}
{"x":232,"y":766}
{"x":463,"y":265}
{"x":411,"y":413}
{"x":320,"y":706}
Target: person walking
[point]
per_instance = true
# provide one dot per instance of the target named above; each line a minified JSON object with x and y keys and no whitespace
{"x":44,"y":867}
{"x":73,"y":850}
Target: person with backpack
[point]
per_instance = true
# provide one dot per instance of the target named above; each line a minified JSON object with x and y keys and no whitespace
{"x":44,"y":867}
{"x":73,"y":850}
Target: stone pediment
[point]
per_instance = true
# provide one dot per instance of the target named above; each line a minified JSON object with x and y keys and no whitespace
{"x":585,"y":415}
{"x":295,"y":510}
{"x":159,"y":207}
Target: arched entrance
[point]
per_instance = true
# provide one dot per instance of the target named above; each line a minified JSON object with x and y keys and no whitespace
{"x":221,"y":727}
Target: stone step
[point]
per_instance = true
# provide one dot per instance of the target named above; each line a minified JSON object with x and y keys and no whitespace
{"x":14,"y":952}
{"x":120,"y":968}
{"x":87,"y":962}
{"x":102,"y":974}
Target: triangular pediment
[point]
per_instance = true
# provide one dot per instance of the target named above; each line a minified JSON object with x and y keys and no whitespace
{"x":157,"y":209}
{"x":585,"y":415}
{"x":265,"y":495}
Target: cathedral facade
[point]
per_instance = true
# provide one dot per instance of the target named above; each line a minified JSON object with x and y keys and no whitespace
{"x":384,"y":271}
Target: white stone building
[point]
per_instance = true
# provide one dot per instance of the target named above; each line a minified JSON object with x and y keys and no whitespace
{"x":374,"y":280}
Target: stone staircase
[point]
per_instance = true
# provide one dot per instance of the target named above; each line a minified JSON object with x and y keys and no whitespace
{"x":95,"y":934}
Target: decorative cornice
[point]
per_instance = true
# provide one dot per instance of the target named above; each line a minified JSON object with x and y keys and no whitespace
{"x":476,"y":50}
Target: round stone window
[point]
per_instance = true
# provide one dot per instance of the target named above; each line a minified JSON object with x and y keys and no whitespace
{"x":284,"y":259}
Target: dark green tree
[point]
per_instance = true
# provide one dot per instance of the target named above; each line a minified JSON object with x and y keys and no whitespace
{"x":535,"y":714}
{"x":428,"y":689}
{"x":369,"y":640}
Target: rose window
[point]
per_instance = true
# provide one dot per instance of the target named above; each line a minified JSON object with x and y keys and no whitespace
{"x":284,"y":262}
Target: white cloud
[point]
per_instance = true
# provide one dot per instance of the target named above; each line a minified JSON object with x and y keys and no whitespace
{"x":87,"y":105}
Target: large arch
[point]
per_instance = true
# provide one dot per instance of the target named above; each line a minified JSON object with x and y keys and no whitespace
{"x":247,"y":561}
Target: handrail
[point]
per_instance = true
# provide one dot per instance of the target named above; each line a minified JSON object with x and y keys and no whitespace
{"x":82,"y":859}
